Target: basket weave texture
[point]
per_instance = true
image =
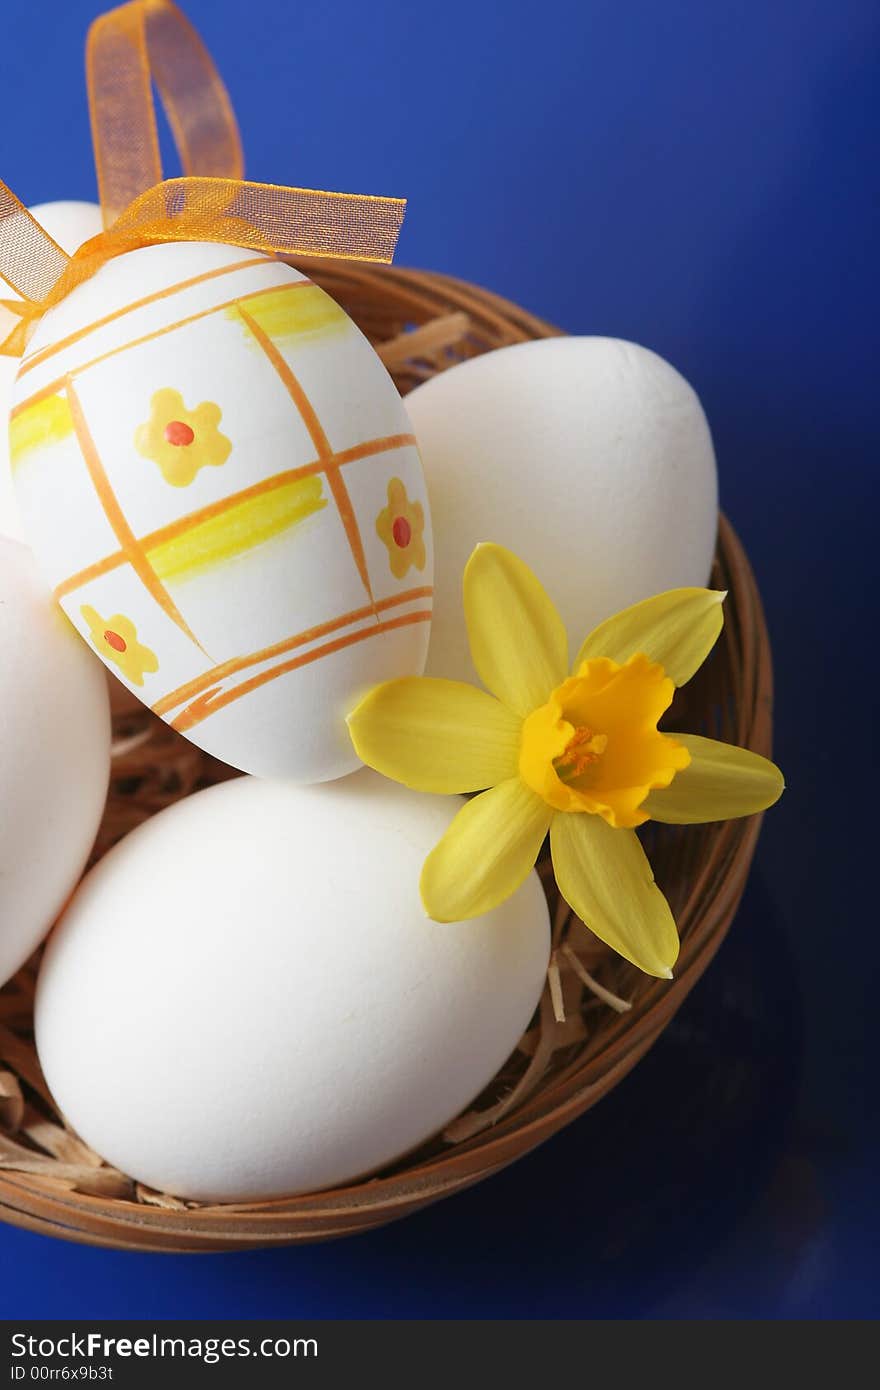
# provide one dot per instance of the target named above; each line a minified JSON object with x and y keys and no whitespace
{"x":421,"y":323}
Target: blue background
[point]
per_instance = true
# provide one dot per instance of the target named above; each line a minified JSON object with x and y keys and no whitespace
{"x":699,"y":178}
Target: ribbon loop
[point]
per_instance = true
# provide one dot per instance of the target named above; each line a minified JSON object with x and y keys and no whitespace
{"x":30,"y":261}
{"x":127,"y":50}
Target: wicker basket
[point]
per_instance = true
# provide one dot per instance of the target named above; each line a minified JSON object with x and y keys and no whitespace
{"x":49,"y":1181}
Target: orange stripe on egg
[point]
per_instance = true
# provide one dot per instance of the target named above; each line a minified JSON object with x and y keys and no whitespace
{"x":59,"y":382}
{"x":322,"y":445}
{"x":183,"y":524}
{"x":344,"y":506}
{"x":30,"y":362}
{"x":312,"y":634}
{"x":373,"y":446}
{"x":292,"y":385}
{"x":213,"y":700}
{"x":131,"y":547}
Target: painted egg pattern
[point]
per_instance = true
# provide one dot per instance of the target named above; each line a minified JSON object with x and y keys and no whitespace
{"x":222,"y":486}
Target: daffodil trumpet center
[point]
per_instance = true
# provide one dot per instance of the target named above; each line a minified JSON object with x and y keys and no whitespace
{"x":583,"y":749}
{"x":595,"y":747}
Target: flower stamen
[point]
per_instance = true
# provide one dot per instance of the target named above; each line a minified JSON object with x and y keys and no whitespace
{"x":583,"y":749}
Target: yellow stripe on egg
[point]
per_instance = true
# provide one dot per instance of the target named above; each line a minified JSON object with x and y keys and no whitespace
{"x":238,"y":529}
{"x":309,"y":314}
{"x":48,"y":421}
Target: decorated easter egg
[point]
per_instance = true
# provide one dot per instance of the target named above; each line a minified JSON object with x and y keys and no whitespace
{"x":54,"y":756}
{"x":590,"y":458}
{"x":222,"y":486}
{"x":245,"y":998}
{"x":70,"y":224}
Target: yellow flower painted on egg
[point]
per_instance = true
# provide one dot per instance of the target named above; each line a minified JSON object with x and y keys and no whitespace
{"x":116,"y":640}
{"x":181,"y":441}
{"x":401,"y":527}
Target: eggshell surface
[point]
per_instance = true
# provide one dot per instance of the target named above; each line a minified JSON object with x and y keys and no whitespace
{"x":590,"y":458}
{"x":245,"y":999}
{"x":69,"y":221}
{"x":10,"y":521}
{"x":222,"y":486}
{"x":54,"y":756}
{"x":70,"y":224}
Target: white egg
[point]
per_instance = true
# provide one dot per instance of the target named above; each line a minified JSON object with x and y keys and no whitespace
{"x":70,"y":224}
{"x":590,"y":458}
{"x":245,"y":999}
{"x":54,"y":756}
{"x":221,"y":484}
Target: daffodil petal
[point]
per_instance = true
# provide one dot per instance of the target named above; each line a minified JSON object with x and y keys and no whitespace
{"x":517,"y":638}
{"x":678,"y":629}
{"x":486,"y":853}
{"x":720,"y":782}
{"x":604,"y":876}
{"x":436,"y":735}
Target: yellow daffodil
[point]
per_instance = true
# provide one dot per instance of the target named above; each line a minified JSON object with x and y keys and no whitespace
{"x":578,"y":755}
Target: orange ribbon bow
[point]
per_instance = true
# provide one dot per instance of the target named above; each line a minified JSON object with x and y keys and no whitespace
{"x":127,"y":50}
